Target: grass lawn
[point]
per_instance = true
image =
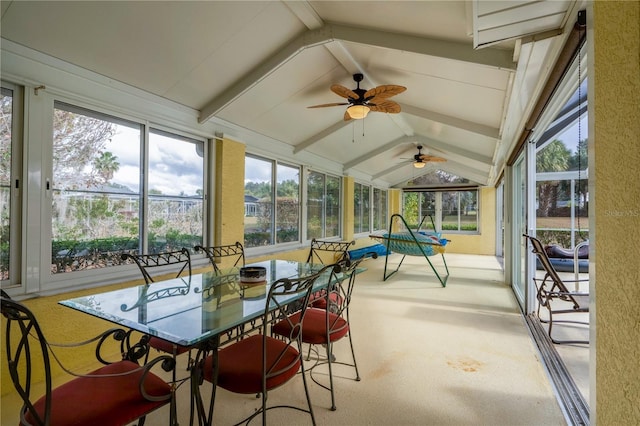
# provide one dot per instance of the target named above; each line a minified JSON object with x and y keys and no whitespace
{"x":561,"y":222}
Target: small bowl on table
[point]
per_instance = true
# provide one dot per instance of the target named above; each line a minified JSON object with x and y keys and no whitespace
{"x":253,"y":274}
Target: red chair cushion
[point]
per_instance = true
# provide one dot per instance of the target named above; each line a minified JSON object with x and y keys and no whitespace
{"x":314,"y":326}
{"x":321,"y":301}
{"x":166,"y":346}
{"x":104,"y":400}
{"x":240,"y":365}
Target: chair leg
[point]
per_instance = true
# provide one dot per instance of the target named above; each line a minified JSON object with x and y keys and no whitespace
{"x":264,"y":407}
{"x":353,"y":355}
{"x":564,"y":342}
{"x":306,"y":391}
{"x":329,"y":357}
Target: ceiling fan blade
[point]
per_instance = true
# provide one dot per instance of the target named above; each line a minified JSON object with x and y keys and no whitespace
{"x":347,"y":117}
{"x":432,"y":158}
{"x":384,"y":91}
{"x":386,"y":106}
{"x":329,"y":105}
{"x":344,"y":92}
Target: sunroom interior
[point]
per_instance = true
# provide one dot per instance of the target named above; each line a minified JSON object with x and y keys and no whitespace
{"x":149,"y":126}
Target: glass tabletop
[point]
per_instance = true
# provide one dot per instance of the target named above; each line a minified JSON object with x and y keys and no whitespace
{"x":188,"y":311}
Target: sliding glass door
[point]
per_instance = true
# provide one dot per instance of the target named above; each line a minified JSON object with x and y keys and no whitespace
{"x":519,"y":227}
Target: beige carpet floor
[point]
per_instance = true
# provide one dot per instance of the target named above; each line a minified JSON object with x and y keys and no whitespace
{"x":428,"y":355}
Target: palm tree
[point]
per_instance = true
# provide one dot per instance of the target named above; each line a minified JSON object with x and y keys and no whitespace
{"x":552,"y":158}
{"x":106,"y":165}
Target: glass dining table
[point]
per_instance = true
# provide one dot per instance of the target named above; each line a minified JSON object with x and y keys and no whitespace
{"x":189,"y":311}
{"x":203,"y":311}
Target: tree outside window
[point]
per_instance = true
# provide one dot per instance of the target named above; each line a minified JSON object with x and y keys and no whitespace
{"x":323,"y":206}
{"x":272,"y":191}
{"x":96,"y":195}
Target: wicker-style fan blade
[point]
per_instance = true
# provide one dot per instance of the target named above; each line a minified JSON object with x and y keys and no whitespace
{"x":328,"y":105}
{"x":432,"y":158}
{"x":344,"y":92}
{"x":375,"y":99}
{"x":384,"y":91}
{"x":390,"y":107}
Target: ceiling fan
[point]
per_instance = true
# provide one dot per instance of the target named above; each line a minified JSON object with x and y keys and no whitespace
{"x":362,"y":101}
{"x":420,"y":160}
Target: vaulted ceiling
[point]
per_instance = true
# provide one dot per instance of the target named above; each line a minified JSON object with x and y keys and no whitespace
{"x":472,"y":69}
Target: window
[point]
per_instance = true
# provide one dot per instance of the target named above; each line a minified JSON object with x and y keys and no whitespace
{"x":459,"y":210}
{"x":98,"y":202}
{"x":323,"y":206}
{"x":451,"y":211}
{"x":379,"y":209}
{"x":10,"y":186}
{"x":562,"y":190}
{"x":287,"y":203}
{"x":361,"y":208}
{"x":272,"y":192}
{"x":443,"y":201}
{"x":176,"y":202}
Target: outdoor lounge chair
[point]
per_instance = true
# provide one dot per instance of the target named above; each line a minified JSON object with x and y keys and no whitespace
{"x":553,"y":294}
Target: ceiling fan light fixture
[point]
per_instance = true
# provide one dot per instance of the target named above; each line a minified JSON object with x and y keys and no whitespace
{"x":358,"y":112}
{"x":419,"y":164}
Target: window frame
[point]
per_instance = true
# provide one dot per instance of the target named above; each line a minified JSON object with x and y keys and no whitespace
{"x":438,"y":209}
{"x":16,"y":184}
{"x":360,"y":227}
{"x":371,"y":209}
{"x":273,"y":245}
{"x":99,"y":276}
{"x":380,"y":210}
{"x":324,"y":206}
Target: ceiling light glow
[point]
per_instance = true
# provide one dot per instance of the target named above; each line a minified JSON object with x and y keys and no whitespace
{"x":358,"y":111}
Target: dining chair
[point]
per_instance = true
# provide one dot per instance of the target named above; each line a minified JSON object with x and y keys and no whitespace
{"x":328,"y":252}
{"x":118,"y":393}
{"x":554,"y":295}
{"x":326,"y":323}
{"x":153,"y":265}
{"x":235,"y":253}
{"x":260,"y":363}
{"x":160,"y":263}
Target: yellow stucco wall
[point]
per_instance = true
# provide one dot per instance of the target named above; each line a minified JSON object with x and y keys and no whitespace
{"x":394,"y":200}
{"x":485,"y":241}
{"x":229,"y":188}
{"x":348,"y":185}
{"x":614,"y":140}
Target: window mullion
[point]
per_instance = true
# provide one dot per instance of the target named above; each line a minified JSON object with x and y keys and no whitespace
{"x":143,"y":244}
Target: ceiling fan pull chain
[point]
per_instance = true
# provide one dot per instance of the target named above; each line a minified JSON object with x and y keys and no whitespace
{"x":353,"y":133}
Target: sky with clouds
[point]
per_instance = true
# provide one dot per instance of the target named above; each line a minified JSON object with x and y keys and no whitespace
{"x":175,"y":166}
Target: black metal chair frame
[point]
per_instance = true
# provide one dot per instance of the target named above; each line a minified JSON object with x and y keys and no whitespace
{"x":338,"y":296}
{"x":26,"y":344}
{"x":214,"y":253}
{"x":552,"y":288}
{"x":339,"y":248}
{"x":274,"y":310}
{"x":147,"y":262}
